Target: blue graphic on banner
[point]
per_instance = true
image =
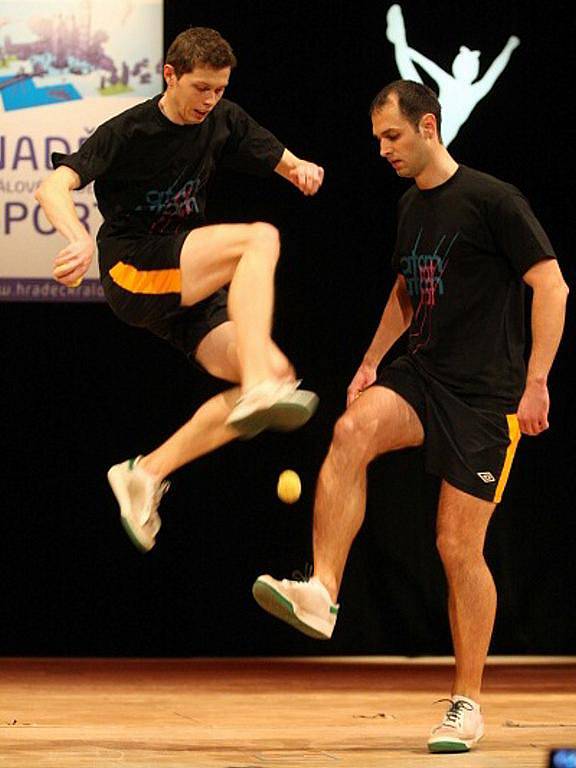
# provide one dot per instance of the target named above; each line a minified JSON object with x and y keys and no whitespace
{"x":71,"y":52}
{"x":20,"y":91}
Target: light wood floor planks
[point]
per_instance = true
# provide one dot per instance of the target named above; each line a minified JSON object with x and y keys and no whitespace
{"x":258,"y":713}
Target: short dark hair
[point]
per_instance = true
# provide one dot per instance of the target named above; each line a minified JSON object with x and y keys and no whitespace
{"x":414,"y":100}
{"x":199,"y":45}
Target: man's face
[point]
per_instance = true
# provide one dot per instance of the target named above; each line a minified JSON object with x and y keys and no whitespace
{"x":405,"y":147}
{"x":195,"y":94}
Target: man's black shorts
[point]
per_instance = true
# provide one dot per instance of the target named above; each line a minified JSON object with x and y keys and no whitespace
{"x":143,"y":288}
{"x":471,"y":448}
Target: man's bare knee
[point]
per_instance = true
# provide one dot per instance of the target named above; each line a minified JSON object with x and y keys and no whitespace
{"x":265,"y":234}
{"x":449,"y":548}
{"x":461,"y":526}
{"x":355,"y":436}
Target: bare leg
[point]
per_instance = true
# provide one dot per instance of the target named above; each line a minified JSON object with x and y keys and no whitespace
{"x":207,"y":430}
{"x":139,"y":487}
{"x":377,"y":422}
{"x":244,"y":256}
{"x":461,"y":532}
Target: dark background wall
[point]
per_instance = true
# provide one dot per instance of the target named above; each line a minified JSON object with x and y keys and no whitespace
{"x":81,"y":391}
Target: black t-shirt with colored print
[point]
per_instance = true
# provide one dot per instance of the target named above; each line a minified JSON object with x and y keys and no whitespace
{"x":463,"y":248}
{"x":151,"y":174}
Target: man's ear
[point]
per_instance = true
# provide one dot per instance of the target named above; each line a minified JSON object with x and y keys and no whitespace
{"x":169,"y":74}
{"x":428,"y":125}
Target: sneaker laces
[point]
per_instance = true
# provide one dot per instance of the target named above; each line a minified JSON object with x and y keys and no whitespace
{"x":454,"y":717}
{"x":306,"y":576}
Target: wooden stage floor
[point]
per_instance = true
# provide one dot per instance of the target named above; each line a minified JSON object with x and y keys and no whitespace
{"x":263,"y":713}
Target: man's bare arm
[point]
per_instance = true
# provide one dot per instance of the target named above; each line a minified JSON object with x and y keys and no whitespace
{"x":395,"y":320}
{"x":54,"y":195}
{"x":547,"y":321}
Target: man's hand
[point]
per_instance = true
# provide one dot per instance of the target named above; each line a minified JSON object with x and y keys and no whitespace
{"x":308,"y":177}
{"x":72,"y":263}
{"x":364,"y":377}
{"x":533,"y":408}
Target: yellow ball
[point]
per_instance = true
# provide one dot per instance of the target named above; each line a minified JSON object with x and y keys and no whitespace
{"x":76,"y":283}
{"x":289,"y":486}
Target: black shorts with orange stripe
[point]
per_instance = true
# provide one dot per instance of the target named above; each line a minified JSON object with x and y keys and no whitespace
{"x":470,"y":447}
{"x":143,"y":288}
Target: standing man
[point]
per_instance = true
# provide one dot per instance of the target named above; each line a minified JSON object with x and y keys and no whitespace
{"x":466,"y":245}
{"x":163,"y":269}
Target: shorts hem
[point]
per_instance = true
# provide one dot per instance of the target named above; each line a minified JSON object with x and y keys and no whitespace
{"x":404,"y":392}
{"x":466,"y":488}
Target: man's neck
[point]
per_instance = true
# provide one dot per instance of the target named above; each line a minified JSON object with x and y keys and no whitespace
{"x":441,"y":167}
{"x":167,"y":110}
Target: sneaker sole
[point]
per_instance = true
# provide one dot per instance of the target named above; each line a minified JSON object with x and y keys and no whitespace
{"x":292,"y":414}
{"x":132,"y":536}
{"x":449,"y":745}
{"x":285,"y":416}
{"x":279,"y":606}
{"x":118,"y":489}
{"x":253,"y":428}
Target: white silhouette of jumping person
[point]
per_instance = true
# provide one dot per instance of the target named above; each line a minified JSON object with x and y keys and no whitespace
{"x":458,"y":93}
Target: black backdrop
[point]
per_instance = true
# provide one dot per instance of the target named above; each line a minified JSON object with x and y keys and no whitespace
{"x":81,"y":391}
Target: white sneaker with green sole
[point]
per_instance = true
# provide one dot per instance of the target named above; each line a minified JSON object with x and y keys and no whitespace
{"x":276,"y":405}
{"x":305,"y":605}
{"x":138,"y":495}
{"x":461,"y":729}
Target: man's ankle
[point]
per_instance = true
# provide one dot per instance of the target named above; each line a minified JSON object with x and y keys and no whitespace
{"x":151,"y":468}
{"x":329,"y":584}
{"x":472,"y":696}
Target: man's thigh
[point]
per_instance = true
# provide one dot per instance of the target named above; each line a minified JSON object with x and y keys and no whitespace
{"x":462,"y":517}
{"x":217,"y":353}
{"x":209,"y":257}
{"x":388,"y":418}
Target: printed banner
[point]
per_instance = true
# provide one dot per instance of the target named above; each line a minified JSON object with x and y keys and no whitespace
{"x":65,"y":67}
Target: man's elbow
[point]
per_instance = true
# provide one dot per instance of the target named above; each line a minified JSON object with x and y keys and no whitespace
{"x":42,"y":191}
{"x":560,"y":286}
{"x":557,"y":291}
{"x":58,"y":183}
{"x":547,"y":279}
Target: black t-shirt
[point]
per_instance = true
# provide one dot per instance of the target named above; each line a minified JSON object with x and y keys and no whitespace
{"x":151,"y":174}
{"x":463,"y":247}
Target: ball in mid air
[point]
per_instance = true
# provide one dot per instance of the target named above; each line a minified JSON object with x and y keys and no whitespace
{"x":289,"y":486}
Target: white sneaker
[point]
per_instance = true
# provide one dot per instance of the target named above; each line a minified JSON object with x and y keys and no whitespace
{"x":305,"y":605}
{"x":138,"y":495}
{"x":461,"y":729}
{"x":277,"y":405}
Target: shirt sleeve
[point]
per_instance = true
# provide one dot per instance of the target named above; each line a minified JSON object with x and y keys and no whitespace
{"x":94,"y":158}
{"x":250,"y":147}
{"x":519,"y":234}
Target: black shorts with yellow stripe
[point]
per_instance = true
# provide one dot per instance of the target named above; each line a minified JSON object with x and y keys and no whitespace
{"x":472,"y":448}
{"x":142,"y":285}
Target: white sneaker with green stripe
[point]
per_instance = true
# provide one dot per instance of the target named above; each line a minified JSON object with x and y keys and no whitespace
{"x":461,"y":728}
{"x":138,"y":495}
{"x":305,"y":605}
